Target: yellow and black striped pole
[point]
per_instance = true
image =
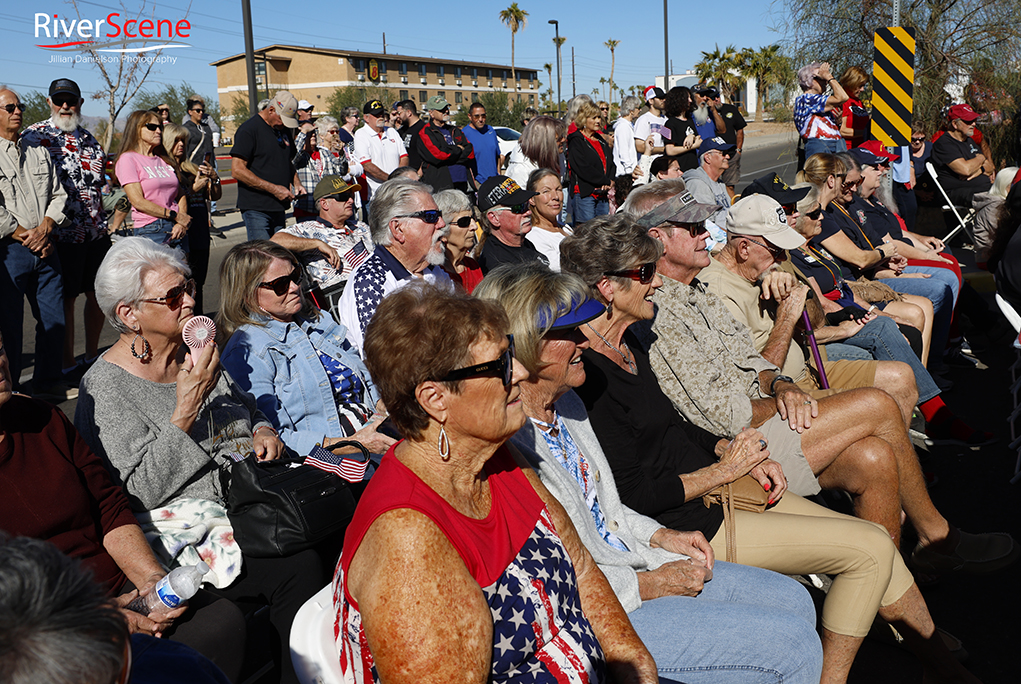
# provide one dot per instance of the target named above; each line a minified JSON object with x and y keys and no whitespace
{"x":893,"y":77}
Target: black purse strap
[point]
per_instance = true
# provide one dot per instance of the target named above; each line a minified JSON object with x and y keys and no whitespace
{"x":350,"y":443}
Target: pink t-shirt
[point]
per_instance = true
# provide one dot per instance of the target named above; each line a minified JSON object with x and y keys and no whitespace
{"x":159,"y":183}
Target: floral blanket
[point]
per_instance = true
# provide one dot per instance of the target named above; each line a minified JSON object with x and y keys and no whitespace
{"x":192,"y":530}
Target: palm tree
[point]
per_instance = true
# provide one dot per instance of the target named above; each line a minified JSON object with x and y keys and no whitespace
{"x":612,"y":45}
{"x":603,"y":82}
{"x":514,"y":18}
{"x":769,"y":66}
{"x":721,"y":68}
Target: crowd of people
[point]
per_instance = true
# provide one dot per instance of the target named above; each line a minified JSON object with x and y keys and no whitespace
{"x":549,"y":405}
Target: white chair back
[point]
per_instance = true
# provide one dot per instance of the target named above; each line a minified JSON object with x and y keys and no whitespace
{"x":962,"y":223}
{"x":313,"y":647}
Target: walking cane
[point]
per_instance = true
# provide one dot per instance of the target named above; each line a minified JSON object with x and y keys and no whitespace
{"x":815,"y":348}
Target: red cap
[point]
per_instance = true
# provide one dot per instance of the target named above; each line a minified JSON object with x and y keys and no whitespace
{"x":876,"y":148}
{"x":963,"y":112}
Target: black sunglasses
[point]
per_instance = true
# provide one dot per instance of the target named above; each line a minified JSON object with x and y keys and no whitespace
{"x":519,"y":208}
{"x":11,"y":107}
{"x":694,"y":229}
{"x":60,"y":101}
{"x":643,"y":274}
{"x":430,"y":216}
{"x":851,"y":185}
{"x":153,"y":126}
{"x":281,"y":285}
{"x":342,"y":196}
{"x":504,"y":366}
{"x":463,"y":222}
{"x":175,"y":295}
{"x":163,"y":109}
{"x":789,"y":208}
{"x":200,"y":111}
{"x":815,"y":213}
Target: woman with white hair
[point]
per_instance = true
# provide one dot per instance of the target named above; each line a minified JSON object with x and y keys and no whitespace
{"x":817,"y":115}
{"x":314,"y":159}
{"x":987,"y":210}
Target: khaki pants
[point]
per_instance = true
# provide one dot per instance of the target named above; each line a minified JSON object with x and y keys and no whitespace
{"x":798,"y":537}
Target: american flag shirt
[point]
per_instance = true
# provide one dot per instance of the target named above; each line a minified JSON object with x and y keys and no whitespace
{"x":540,"y":634}
{"x":79,"y":160}
{"x":812,"y":120}
{"x":352,"y":242}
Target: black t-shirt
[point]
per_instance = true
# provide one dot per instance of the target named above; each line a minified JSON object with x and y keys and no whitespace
{"x":853,"y":221}
{"x":679,"y":131}
{"x":815,"y":262}
{"x":735,"y":122}
{"x":647,"y":443}
{"x":268,"y":152}
{"x":408,"y":135}
{"x":495,"y":253}
{"x":945,"y":150}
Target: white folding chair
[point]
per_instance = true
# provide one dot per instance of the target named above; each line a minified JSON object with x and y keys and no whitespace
{"x":313,"y":647}
{"x":962,"y":223}
{"x":1014,"y":318}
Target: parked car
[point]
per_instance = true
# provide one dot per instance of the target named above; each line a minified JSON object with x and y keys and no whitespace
{"x":508,"y":139}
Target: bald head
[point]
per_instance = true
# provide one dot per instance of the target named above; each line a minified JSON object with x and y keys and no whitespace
{"x":10,"y":122}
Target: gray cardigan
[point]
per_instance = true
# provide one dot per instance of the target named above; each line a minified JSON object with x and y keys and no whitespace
{"x":620,"y":567}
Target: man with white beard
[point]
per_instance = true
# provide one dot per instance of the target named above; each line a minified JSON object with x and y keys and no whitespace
{"x":83,"y":240}
{"x":410,"y":236}
{"x":707,"y":120}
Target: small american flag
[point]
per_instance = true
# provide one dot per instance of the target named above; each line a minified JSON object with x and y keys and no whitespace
{"x":356,"y":255}
{"x":349,"y":467}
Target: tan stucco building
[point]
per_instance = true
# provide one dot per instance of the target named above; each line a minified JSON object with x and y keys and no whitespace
{"x":312,"y":74}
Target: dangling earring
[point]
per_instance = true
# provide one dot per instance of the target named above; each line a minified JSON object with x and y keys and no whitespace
{"x":443,"y":444}
{"x":609,"y":308}
{"x":146,"y":349}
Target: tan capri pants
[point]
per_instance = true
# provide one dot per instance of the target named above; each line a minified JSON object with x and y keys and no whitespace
{"x":798,"y":537}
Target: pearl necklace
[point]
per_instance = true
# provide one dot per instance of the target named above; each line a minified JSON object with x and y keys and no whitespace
{"x":630,"y":363}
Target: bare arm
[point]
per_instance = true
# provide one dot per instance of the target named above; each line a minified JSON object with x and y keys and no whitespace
{"x":788,"y":314}
{"x":721,"y":125}
{"x":375,"y":173}
{"x":241,"y":173}
{"x":968,"y":168}
{"x":740,"y":140}
{"x":841,"y":247}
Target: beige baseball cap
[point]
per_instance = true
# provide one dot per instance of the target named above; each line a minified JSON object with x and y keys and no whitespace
{"x":762,"y":216}
{"x":286,"y":105}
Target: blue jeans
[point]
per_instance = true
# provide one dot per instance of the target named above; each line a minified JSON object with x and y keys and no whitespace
{"x":883,"y":341}
{"x":941,"y":295}
{"x":159,"y":232}
{"x":819,"y":145}
{"x":587,"y":208}
{"x":747,"y":626}
{"x":25,"y":274}
{"x":944,"y":275}
{"x":261,"y":225}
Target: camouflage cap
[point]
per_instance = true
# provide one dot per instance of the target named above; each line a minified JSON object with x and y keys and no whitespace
{"x":681,"y":208}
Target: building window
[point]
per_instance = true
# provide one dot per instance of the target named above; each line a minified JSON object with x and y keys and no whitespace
{"x":457,"y":98}
{"x":423,"y":95}
{"x":489,"y":74}
{"x":403,"y":95}
{"x":382,"y":66}
{"x":442,"y":93}
{"x":505,"y":74}
{"x":421,"y":70}
{"x":359,"y":64}
{"x":439,"y":70}
{"x":402,"y":67}
{"x":517,"y":75}
{"x":531,"y":99}
{"x":457,"y":72}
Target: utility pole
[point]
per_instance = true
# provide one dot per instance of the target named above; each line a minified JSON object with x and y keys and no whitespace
{"x":666,"y":49}
{"x":384,"y":42}
{"x":574,"y":92}
{"x":556,"y":29}
{"x":253,"y":98}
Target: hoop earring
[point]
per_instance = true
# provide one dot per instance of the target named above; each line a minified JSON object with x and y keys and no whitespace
{"x":146,"y":349}
{"x":443,"y":444}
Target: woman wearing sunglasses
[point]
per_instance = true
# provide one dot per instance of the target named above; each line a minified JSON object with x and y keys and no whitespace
{"x":168,"y":424}
{"x":293,"y":358}
{"x":458,"y":562}
{"x":462,"y":235}
{"x":159,"y":207}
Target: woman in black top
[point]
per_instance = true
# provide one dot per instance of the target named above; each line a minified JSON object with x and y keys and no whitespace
{"x":684,"y":139}
{"x":589,"y":159}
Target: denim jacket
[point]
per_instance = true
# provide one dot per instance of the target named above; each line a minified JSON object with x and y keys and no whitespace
{"x":279,"y":364}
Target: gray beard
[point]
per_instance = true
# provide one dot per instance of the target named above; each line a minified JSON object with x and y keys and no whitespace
{"x":700,"y":114}
{"x":436,"y":257}
{"x":68,"y":125}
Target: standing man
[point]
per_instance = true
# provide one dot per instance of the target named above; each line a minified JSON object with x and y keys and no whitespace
{"x":483,"y":138}
{"x":304,"y":112}
{"x":79,"y":162}
{"x":625,"y":156}
{"x":261,"y":164}
{"x":378,"y":148}
{"x":411,"y":124}
{"x":734,"y":135}
{"x":507,"y":217}
{"x":704,"y":183}
{"x":707,"y":120}
{"x":448,"y":159}
{"x":649,"y":125}
{"x":31,"y":207}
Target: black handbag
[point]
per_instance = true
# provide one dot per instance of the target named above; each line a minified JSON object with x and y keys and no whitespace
{"x":278,"y":508}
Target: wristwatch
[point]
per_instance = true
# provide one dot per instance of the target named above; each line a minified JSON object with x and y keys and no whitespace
{"x":172,"y":216}
{"x":772,"y":385}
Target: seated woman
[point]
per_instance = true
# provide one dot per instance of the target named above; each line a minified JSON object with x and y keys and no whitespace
{"x":458,"y":214}
{"x":293,"y":358}
{"x":547,"y":230}
{"x":1005,"y":252}
{"x":458,"y":562}
{"x":663,"y":465}
{"x":661,"y":576}
{"x":167,"y":422}
{"x":53,"y":488}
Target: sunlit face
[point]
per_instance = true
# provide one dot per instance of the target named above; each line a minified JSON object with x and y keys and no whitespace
{"x":848,"y":185}
{"x":160,"y":319}
{"x":460,"y":240}
{"x":634,"y":298}
{"x":281,"y":307}
{"x":65,"y":110}
{"x":870,"y":176}
{"x":485,"y":409}
{"x":807,"y":226}
{"x":178,"y":150}
{"x":478,"y":117}
{"x":338,"y":208}
{"x":672,"y":171}
{"x":593,"y":123}
{"x":560,"y":366}
{"x":149,"y":138}
{"x":423,"y":242}
{"x":683,"y":251}
{"x":550,"y":199}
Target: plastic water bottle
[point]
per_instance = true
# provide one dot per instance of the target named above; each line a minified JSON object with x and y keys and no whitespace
{"x":171,"y":591}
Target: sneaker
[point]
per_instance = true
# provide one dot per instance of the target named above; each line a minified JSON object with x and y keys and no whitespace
{"x":945,"y":433}
{"x":57,"y":391}
{"x":957,"y":358}
{"x":975,"y":553}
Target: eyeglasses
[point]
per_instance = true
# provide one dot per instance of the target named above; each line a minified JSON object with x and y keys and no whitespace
{"x":604,"y":109}
{"x":477,"y":116}
{"x":281,"y":285}
{"x":518,"y":209}
{"x":430,"y":216}
{"x":643,"y":274}
{"x":789,"y":208}
{"x":11,"y":107}
{"x":200,"y":111}
{"x":341,"y":196}
{"x":153,"y":126}
{"x":918,"y":140}
{"x":463,"y":222}
{"x":815,"y":213}
{"x":851,"y":185}
{"x":333,"y":131}
{"x":175,"y":295}
{"x":694,"y":229}
{"x":163,"y":109}
{"x":61,"y":101}
{"x":504,"y":366}
{"x":774,"y":252}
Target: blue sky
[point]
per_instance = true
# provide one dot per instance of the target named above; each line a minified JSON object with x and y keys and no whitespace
{"x":457,"y":30}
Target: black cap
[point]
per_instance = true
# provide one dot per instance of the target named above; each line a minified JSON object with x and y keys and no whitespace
{"x":773,"y":186}
{"x":502,"y":191}
{"x":64,"y":86}
{"x":707,"y":91}
{"x":374,"y":107}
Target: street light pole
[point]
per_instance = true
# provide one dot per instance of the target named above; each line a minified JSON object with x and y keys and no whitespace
{"x":666,"y":51}
{"x":556,"y":28}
